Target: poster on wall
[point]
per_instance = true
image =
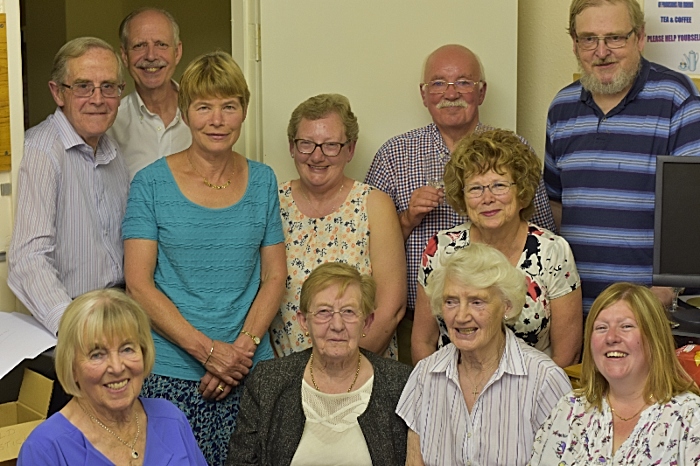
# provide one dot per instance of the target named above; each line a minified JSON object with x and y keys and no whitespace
{"x":673,"y":34}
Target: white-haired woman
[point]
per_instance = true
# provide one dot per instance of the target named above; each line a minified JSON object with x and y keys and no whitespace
{"x":487,"y":392}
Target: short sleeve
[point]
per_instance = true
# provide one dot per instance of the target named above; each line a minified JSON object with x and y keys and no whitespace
{"x":140,"y":217}
{"x":380,"y":174}
{"x":560,"y":268}
{"x":273,"y":230}
{"x":410,"y":403}
{"x":552,"y":173}
{"x":428,"y":260}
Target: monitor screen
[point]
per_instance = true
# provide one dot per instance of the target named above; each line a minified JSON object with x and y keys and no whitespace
{"x":677,"y":222}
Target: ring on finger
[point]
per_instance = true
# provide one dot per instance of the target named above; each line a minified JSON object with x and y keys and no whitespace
{"x":220,"y":388}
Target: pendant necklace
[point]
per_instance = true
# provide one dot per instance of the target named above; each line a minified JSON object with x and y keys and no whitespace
{"x":205,"y":180}
{"x":308,"y":201}
{"x":134,"y":453}
{"x":625,"y":418}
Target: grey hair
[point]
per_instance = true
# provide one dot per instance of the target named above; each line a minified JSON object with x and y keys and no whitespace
{"x":124,"y":26}
{"x":76,"y":48}
{"x":479,"y":266}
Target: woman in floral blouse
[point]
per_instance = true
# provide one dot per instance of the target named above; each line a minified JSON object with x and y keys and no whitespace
{"x":329,"y":217}
{"x":636,"y":406}
{"x":492,"y":178}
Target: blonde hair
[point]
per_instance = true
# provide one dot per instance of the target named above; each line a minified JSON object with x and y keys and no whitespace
{"x":321,"y":106}
{"x":633,"y":8}
{"x":213,"y":74}
{"x":667,"y":378}
{"x":344,"y":275}
{"x":480,"y":266}
{"x":92,"y":318}
{"x":498,"y":150}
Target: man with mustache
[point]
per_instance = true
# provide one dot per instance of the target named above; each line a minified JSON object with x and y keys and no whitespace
{"x":604,"y":132}
{"x":72,"y":188}
{"x":453,"y":88}
{"x":149,"y":125}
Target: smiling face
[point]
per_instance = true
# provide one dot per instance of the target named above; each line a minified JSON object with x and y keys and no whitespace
{"x":89,"y":116}
{"x":110,"y":375}
{"x":152,"y":54}
{"x":474,"y":318}
{"x":453,"y":111}
{"x":604,"y":70}
{"x":617,"y":346}
{"x":336,"y":339}
{"x":317,"y":170}
{"x":215,"y":124}
{"x":491,"y":212}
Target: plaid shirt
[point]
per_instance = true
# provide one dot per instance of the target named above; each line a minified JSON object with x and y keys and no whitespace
{"x":397,"y":169}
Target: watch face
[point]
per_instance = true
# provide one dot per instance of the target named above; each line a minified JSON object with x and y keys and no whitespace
{"x":256,"y":340}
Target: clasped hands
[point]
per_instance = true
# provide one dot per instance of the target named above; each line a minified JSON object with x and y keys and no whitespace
{"x":226,"y":367}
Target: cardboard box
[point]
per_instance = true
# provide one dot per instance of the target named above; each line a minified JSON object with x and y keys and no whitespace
{"x":19,"y":418}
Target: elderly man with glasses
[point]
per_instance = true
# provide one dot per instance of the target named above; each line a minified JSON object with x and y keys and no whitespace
{"x":604,"y":132}
{"x":453,"y":88}
{"x":72,"y":187}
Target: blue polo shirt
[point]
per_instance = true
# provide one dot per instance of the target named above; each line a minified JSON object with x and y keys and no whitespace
{"x":602,"y":168}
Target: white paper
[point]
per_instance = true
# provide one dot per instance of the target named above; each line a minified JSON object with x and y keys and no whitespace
{"x":21,"y":337}
{"x":673,"y":34}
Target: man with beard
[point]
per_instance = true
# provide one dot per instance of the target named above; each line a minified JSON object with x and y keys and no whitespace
{"x":149,"y":125}
{"x":603,"y":135}
{"x":453,"y":88}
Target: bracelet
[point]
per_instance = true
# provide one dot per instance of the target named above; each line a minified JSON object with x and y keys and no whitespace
{"x":255,"y":339}
{"x":210,"y":352}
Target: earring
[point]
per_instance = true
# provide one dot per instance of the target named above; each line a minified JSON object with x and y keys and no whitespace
{"x":306,"y":334}
{"x":505,"y":317}
{"x":363,"y":335}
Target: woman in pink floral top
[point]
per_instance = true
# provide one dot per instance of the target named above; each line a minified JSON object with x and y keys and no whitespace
{"x":637,"y":406}
{"x":492,"y":178}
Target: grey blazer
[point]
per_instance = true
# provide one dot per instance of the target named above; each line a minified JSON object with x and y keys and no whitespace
{"x":271,"y":418}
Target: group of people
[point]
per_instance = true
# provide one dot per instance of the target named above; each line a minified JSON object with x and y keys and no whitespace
{"x":271,"y":315}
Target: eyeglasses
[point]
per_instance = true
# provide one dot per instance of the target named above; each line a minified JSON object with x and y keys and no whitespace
{"x":613,"y":41}
{"x":439,"y":86}
{"x":325,"y":315}
{"x":497,"y":188}
{"x":87,"y":89}
{"x":329,"y":149}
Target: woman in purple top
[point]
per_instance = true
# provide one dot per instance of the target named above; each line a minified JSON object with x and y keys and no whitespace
{"x":103,"y":353}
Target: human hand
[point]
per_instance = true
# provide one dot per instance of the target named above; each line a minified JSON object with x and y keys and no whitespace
{"x":213,"y":388}
{"x":230,"y":362}
{"x":423,"y":201}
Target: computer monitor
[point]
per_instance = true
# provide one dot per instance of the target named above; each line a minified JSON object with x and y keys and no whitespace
{"x":677,"y":222}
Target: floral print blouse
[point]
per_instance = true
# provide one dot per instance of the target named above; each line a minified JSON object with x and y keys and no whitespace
{"x":546,"y":261}
{"x":342,"y":236}
{"x":577,"y":434}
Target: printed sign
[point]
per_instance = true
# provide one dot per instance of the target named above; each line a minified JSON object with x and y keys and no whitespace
{"x":673,"y":34}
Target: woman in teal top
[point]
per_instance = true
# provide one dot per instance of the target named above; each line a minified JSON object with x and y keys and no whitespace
{"x":204,"y":255}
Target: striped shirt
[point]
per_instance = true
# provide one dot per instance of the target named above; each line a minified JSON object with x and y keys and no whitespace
{"x":70,"y":204}
{"x":501,"y":427}
{"x":602,"y":168}
{"x":397,"y":169}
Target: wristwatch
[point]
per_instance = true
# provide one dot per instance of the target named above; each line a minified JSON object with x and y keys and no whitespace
{"x":255,"y":339}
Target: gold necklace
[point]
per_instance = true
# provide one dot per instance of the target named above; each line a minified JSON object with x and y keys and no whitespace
{"x":625,"y":418}
{"x":206,"y":181}
{"x":308,"y":201}
{"x":134,"y":453}
{"x":476,"y":391}
{"x":311,"y":371}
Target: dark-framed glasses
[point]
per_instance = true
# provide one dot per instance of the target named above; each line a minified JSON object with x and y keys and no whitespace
{"x":439,"y":86}
{"x":497,"y":188}
{"x":612,"y":41}
{"x":87,"y":89}
{"x":329,"y":149}
{"x":323,"y":316}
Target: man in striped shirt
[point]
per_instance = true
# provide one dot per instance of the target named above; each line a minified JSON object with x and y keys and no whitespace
{"x":604,"y":132}
{"x":72,"y":187}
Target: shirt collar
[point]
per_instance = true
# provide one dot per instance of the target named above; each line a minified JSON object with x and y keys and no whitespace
{"x":141,"y":107}
{"x":512,"y":361}
{"x":439,"y":142}
{"x":106,"y":149}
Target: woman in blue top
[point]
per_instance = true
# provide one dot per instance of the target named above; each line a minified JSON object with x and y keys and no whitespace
{"x":204,"y":255}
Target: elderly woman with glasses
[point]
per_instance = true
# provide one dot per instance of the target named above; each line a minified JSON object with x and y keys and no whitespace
{"x":492,"y":178}
{"x":333,"y":403}
{"x":636,"y":405}
{"x":327,"y":217}
{"x":481,"y":398}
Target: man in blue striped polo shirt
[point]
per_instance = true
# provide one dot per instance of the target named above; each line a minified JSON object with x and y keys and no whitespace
{"x":603,"y":135}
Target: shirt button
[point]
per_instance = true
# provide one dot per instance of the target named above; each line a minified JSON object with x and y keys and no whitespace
{"x":469,"y":435}
{"x":159,"y":128}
